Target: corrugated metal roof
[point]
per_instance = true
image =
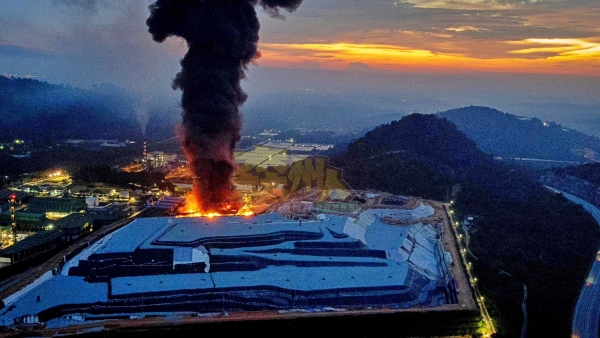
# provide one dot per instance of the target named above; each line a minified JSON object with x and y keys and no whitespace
{"x":302,"y":148}
{"x":5,"y":195}
{"x":169,"y":202}
{"x":50,"y":204}
{"x":74,"y":221}
{"x":31,"y":242}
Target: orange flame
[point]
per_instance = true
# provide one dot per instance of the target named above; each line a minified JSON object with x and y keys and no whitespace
{"x":192,"y":208}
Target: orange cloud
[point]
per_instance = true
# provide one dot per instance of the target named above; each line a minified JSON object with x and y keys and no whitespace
{"x":562,"y":48}
{"x":569,"y":58}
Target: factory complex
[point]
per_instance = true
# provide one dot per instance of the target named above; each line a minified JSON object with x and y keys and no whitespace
{"x":394,"y":258}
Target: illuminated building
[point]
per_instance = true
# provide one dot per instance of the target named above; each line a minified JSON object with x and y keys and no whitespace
{"x":158,"y":159}
{"x":55,"y":208}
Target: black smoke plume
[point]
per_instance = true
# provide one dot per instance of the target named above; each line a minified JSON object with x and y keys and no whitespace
{"x":222,"y":37}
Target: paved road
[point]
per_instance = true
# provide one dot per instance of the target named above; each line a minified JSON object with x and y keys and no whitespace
{"x":586,"y":317}
{"x":485,"y":315}
{"x":587,"y":310}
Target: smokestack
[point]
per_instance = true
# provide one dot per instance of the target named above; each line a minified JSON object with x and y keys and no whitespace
{"x":144,"y":157}
{"x":222,"y":37}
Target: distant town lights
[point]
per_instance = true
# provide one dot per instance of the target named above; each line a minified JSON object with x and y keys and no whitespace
{"x":55,"y":174}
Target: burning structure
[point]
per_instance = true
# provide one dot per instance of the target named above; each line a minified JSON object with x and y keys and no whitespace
{"x":222,"y":37}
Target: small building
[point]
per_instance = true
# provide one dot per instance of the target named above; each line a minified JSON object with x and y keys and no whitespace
{"x":31,"y":246}
{"x":109,"y":213}
{"x":75,"y":225}
{"x":20,"y":196}
{"x":92,"y":201}
{"x":158,"y":159}
{"x":56,"y":208}
{"x":26,"y":221}
{"x":244,"y":187}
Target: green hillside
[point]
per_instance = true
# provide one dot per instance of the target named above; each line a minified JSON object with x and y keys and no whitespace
{"x":521,"y":234}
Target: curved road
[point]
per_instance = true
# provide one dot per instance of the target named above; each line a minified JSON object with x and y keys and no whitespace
{"x":586,"y":317}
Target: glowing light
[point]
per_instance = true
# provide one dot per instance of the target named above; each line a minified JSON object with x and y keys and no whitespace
{"x":192,"y":208}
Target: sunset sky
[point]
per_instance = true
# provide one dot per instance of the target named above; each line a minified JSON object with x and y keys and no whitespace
{"x":544,"y":36}
{"x":86,"y":42}
{"x":559,"y":37}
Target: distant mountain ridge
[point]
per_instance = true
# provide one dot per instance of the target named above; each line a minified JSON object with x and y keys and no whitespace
{"x":508,"y":135}
{"x":39,"y":111}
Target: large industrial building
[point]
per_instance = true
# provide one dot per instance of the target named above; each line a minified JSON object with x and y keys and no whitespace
{"x":391,"y":258}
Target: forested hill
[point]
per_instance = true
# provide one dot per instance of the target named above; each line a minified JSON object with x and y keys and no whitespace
{"x":39,"y":111}
{"x":589,"y":172}
{"x":522,"y":234}
{"x":423,"y":155}
{"x":508,"y":135}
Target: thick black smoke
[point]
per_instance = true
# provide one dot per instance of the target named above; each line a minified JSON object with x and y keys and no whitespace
{"x":222,"y":37}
